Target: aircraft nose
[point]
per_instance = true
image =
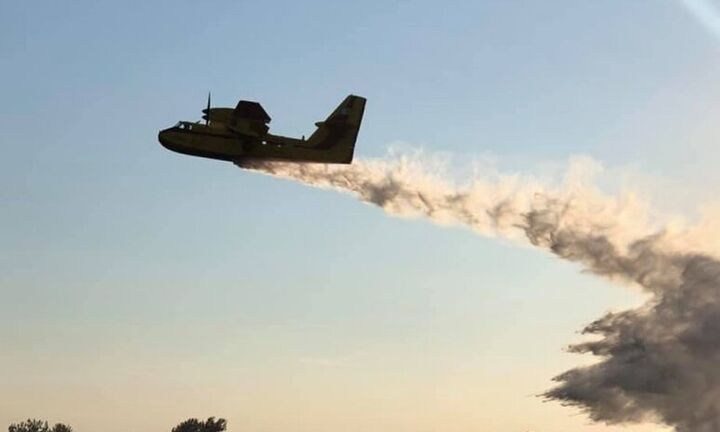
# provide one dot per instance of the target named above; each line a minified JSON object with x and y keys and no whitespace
{"x":164,"y":139}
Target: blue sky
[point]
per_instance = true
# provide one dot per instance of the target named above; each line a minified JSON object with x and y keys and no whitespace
{"x":141,"y":287}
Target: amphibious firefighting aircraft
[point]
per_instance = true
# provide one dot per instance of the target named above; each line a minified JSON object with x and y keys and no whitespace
{"x":241,"y":134}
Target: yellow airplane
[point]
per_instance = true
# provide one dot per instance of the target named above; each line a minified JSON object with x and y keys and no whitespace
{"x":241,"y":133}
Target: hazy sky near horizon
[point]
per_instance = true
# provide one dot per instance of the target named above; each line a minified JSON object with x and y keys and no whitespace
{"x":140,"y":287}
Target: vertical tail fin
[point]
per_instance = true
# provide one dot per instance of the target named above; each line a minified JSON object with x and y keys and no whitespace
{"x":339,"y":131}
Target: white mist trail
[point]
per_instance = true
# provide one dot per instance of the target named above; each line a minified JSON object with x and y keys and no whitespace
{"x":659,"y":361}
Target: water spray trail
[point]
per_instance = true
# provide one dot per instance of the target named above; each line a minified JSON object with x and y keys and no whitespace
{"x":658,"y":362}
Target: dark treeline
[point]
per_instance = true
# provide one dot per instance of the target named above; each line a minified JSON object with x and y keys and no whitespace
{"x":189,"y":425}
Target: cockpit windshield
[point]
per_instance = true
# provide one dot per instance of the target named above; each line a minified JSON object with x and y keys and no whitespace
{"x":184,"y":125}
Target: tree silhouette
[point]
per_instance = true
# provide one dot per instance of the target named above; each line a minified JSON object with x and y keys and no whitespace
{"x":195,"y":425}
{"x":34,"y":425}
{"x":29,"y":425}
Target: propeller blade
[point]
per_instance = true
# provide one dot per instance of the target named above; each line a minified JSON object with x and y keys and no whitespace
{"x":207,"y":111}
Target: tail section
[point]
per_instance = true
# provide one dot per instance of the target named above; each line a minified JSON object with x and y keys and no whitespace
{"x":338,"y":133}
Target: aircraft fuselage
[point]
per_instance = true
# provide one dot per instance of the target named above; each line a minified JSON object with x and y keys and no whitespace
{"x":203,"y":141}
{"x":242,"y":133}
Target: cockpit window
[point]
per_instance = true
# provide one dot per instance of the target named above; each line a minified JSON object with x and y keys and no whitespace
{"x":184,"y":125}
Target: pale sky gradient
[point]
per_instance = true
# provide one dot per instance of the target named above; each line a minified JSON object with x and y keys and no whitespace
{"x":141,"y":287}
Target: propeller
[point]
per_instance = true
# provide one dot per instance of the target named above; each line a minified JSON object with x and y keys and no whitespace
{"x":207,"y":111}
